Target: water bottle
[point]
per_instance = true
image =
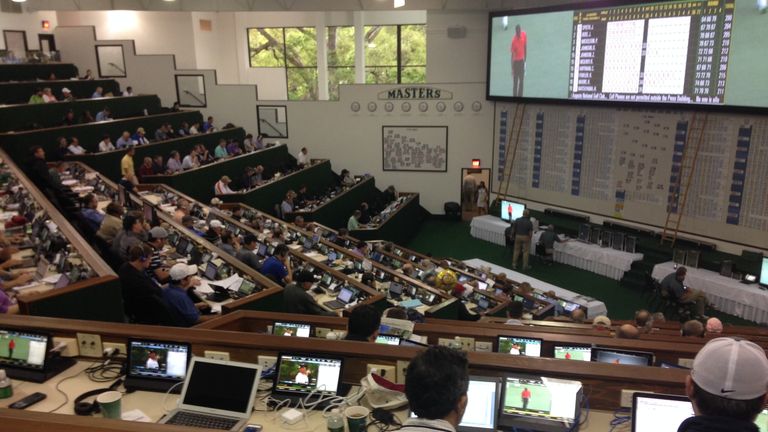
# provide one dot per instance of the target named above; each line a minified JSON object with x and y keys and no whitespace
{"x":6,"y":390}
{"x":335,"y":421}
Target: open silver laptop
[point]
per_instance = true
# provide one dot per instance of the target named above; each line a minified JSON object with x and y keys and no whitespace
{"x":216,"y":395}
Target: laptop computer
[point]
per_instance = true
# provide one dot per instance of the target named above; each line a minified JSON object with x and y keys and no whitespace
{"x":24,"y":356}
{"x":300,"y":375}
{"x":346,"y":295}
{"x":482,"y":305}
{"x":653,"y":412}
{"x":217,"y":394}
{"x":481,"y":414}
{"x":156,"y":365}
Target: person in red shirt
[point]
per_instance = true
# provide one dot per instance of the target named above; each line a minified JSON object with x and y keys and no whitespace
{"x":11,"y":346}
{"x":567,"y":356}
{"x":519,"y":50}
{"x":526,"y":395}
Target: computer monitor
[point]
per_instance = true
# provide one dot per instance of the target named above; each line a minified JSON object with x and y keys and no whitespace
{"x":23,"y":349}
{"x":482,"y":286}
{"x":210,"y":271}
{"x":483,"y":396}
{"x":291,"y":329}
{"x":511,"y":210}
{"x":654,"y":412}
{"x":160,"y":360}
{"x":182,"y":245}
{"x":764,"y":272}
{"x":530,"y":347}
{"x":388,"y":339}
{"x":395,"y":289}
{"x":262,"y":249}
{"x":149,"y":213}
{"x":301,"y":374}
{"x":539,"y":403}
{"x":224,"y":271}
{"x":623,"y":357}
{"x":247,"y":287}
{"x":483,"y":303}
{"x":573,"y":352}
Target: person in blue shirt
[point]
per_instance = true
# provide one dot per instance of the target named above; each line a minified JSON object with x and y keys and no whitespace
{"x":176,"y":299}
{"x":278,"y":265}
{"x":92,"y":216}
{"x":208,"y":125}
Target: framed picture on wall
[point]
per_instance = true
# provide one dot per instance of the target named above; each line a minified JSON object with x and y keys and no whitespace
{"x":414,"y":148}
{"x":190,"y":91}
{"x":111,"y":61}
{"x":273,"y":121}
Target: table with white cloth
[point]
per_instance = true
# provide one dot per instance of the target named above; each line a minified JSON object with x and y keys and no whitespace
{"x":727,"y":295}
{"x":593,"y":306}
{"x":604,"y":261}
{"x":489,"y":228}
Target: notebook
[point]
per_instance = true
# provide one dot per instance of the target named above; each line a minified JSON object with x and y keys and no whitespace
{"x":217,"y":394}
{"x":156,"y":365}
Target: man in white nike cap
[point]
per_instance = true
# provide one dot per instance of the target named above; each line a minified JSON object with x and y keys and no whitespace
{"x":727,"y":386}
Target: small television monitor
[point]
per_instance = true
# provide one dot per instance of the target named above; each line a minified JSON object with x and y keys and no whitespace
{"x":764,"y":272}
{"x":395,"y":289}
{"x":210,"y":271}
{"x":262,"y":251}
{"x":302,"y":374}
{"x":622,"y":357}
{"x":160,"y":360}
{"x":511,"y":210}
{"x":291,"y":329}
{"x":539,"y":403}
{"x":573,"y":352}
{"x":149,"y":213}
{"x":482,"y":286}
{"x":224,"y":271}
{"x":23,"y":349}
{"x":388,"y":339}
{"x":247,"y":287}
{"x":530,"y":347}
{"x":654,"y":412}
{"x":181,"y":246}
{"x":483,"y":303}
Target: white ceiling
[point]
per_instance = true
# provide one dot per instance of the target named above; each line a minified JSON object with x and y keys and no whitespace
{"x":284,"y":5}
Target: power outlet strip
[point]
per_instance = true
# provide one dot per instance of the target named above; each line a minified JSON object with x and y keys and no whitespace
{"x":483,"y":346}
{"x":89,"y":345}
{"x":266,"y":362}
{"x":385,"y":371}
{"x":71,"y":349}
{"x":467,"y":343}
{"x":626,"y":397}
{"x":321,"y":332}
{"x":216,"y":355}
{"x":118,"y":346}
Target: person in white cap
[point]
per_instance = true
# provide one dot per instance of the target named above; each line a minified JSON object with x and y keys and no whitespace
{"x":215,"y":228}
{"x":179,"y":304}
{"x":727,"y":386}
{"x":66,"y":95}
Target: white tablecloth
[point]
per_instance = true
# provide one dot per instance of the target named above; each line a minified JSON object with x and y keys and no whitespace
{"x":594,"y":307}
{"x":724,"y":294}
{"x":607,"y":262}
{"x":489,"y":228}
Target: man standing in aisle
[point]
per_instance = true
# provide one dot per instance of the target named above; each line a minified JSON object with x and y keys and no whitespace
{"x":523,"y":233}
{"x":519,"y":50}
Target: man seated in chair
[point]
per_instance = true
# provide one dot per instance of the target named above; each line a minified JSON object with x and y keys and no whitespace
{"x":673,"y":285}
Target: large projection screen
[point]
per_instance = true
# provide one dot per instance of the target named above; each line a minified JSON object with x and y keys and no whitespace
{"x":695,"y":52}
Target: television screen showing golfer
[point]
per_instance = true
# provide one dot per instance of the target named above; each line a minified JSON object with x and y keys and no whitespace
{"x":520,"y":346}
{"x":291,"y":329}
{"x":541,"y":398}
{"x":158,"y":359}
{"x":304,"y":374}
{"x":565,"y":352}
{"x":22,"y":349}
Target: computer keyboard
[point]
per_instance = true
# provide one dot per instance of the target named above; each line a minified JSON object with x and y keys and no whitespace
{"x":184,"y":418}
{"x":334,"y":304}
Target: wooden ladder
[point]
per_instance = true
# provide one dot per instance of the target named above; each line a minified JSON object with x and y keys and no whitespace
{"x":680,"y":188}
{"x":509,"y":157}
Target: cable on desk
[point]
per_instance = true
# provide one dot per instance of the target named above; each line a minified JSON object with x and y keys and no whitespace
{"x":66,"y":396}
{"x":109,"y":370}
{"x":165,"y":398}
{"x":619,"y":419}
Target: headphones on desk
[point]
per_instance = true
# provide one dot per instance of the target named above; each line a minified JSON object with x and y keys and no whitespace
{"x":83,"y":408}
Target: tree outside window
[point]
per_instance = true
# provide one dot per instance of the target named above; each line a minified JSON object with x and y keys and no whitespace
{"x":395,"y":54}
{"x":295,"y":49}
{"x":341,"y":58}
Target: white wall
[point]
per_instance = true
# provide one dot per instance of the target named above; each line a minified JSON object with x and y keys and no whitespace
{"x":28,"y":22}
{"x":353,"y":140}
{"x":456,"y":60}
{"x":215,"y":49}
{"x":154,"y":32}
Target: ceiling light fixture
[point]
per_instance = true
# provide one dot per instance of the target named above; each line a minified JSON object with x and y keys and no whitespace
{"x":18,"y":1}
{"x":399,"y":3}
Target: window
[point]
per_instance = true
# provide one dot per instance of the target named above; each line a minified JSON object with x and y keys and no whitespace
{"x":295,"y":49}
{"x":341,"y":58}
{"x":395,"y":54}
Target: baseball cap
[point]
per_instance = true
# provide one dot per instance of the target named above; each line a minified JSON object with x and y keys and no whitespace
{"x":65,"y":90}
{"x":216,"y":224}
{"x":601,"y":320}
{"x":158,"y":233}
{"x":180,"y":271}
{"x":225,"y":179}
{"x":732,"y":369}
{"x":215,"y":201}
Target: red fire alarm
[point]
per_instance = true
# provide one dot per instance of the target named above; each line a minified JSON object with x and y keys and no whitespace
{"x":46,"y":24}
{"x":475,"y":163}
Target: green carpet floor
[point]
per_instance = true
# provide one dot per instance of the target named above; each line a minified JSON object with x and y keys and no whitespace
{"x":444,"y":238}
